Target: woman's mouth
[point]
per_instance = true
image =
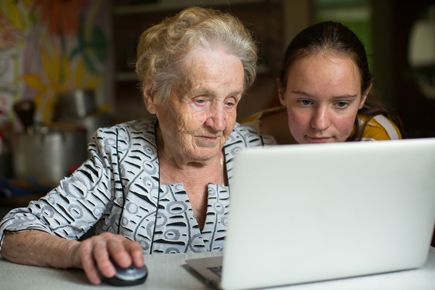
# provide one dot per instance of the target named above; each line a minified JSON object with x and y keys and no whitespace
{"x":318,"y":139}
{"x":207,"y":141}
{"x":207,"y":138}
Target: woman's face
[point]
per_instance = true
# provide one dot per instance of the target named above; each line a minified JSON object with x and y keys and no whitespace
{"x":201,"y":111}
{"x":322,"y":97}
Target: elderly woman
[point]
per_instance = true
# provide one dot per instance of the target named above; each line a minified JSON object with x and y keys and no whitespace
{"x":158,"y":186}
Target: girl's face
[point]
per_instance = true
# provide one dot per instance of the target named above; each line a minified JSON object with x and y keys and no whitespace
{"x":322,"y":97}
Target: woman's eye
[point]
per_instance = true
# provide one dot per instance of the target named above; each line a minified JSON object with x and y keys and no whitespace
{"x":342,"y":105}
{"x":230,"y":102}
{"x":305,"y":102}
{"x":200,"y":101}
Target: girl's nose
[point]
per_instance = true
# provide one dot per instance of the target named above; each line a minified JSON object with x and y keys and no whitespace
{"x":320,"y":120}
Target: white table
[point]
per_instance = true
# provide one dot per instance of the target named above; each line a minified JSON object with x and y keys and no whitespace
{"x":171,"y":272}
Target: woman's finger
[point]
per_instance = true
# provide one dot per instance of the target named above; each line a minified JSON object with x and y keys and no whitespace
{"x":101,"y":257}
{"x":88,"y":264}
{"x":136,"y":252}
{"x":117,"y":250}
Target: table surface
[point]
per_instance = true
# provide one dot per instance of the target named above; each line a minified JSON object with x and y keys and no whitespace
{"x":171,"y":272}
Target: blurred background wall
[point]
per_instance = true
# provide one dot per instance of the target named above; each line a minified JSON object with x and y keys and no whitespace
{"x":48,"y":47}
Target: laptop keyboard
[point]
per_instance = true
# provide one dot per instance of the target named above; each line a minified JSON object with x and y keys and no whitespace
{"x":217,"y":270}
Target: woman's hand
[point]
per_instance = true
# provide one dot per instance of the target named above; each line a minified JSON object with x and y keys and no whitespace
{"x":42,"y":249}
{"x":93,"y":254}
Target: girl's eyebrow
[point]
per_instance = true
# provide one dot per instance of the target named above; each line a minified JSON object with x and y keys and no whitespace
{"x":346,"y":97}
{"x":305,"y":94}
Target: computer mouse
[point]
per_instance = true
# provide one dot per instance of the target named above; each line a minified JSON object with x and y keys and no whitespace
{"x":127,"y":276}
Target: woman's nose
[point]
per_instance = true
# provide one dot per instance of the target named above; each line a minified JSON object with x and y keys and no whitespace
{"x":320,"y":121}
{"x":217,"y":119}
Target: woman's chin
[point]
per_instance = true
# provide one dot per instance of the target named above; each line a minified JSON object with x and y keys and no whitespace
{"x":203,"y":155}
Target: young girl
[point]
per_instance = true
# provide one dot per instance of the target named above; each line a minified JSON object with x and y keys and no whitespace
{"x":323,"y":87}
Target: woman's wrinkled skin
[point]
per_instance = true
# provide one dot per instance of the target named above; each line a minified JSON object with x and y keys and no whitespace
{"x":201,"y":112}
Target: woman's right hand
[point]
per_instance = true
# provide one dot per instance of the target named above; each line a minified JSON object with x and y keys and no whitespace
{"x":92,"y":255}
{"x":42,"y":249}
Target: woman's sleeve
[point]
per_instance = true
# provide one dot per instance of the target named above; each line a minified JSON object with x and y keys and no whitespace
{"x":268,"y":140}
{"x":75,"y":205}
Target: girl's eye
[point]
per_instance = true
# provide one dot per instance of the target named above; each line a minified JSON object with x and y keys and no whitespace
{"x":305,"y":102}
{"x":342,"y":105}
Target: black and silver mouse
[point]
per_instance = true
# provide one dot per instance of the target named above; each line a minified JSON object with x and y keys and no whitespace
{"x":127,"y":276}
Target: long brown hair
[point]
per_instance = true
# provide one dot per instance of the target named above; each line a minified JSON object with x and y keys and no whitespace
{"x":336,"y":38}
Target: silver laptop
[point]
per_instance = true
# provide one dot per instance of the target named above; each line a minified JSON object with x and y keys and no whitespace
{"x":306,"y":213}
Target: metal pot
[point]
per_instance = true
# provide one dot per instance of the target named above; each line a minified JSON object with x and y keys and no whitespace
{"x":91,"y":122}
{"x":75,"y":104}
{"x":48,"y":153}
{"x":79,"y":108}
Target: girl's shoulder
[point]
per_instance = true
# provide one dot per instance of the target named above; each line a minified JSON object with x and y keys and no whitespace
{"x":379,"y":128}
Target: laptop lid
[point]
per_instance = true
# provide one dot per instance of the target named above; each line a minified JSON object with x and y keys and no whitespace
{"x":304,"y":213}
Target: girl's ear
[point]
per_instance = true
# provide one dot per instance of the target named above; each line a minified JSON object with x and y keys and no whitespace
{"x":281,"y":90}
{"x":364,"y":97}
{"x":149,"y":100}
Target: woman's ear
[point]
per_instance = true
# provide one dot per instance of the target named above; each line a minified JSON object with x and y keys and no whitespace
{"x":149,"y":100}
{"x":364,"y":97}
{"x":280,"y":91}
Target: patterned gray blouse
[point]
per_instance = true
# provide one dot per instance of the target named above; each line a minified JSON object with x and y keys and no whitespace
{"x":118,"y":190}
